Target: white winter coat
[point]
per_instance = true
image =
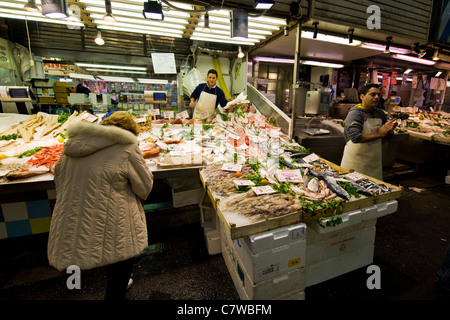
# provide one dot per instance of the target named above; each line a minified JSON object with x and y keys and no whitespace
{"x":100,"y":179}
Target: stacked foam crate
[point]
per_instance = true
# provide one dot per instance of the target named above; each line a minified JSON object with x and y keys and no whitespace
{"x":268,"y":265}
{"x":211,"y":225}
{"x":335,"y":250}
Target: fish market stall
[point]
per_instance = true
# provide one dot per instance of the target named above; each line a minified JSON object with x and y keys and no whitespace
{"x":281,"y":215}
{"x":429,"y":136}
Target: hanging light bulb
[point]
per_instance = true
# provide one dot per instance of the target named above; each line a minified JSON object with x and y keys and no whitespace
{"x":240,"y":53}
{"x":108,"y":16}
{"x":31,"y":6}
{"x":99,"y":40}
{"x":436,"y":55}
{"x":206,"y":27}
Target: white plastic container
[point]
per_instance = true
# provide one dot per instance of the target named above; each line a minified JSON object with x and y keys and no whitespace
{"x":286,"y":286}
{"x":331,"y":268}
{"x":267,"y":263}
{"x":213,"y":240}
{"x":339,"y":245}
{"x":349,"y":219}
{"x":380,"y":209}
{"x":274,"y":238}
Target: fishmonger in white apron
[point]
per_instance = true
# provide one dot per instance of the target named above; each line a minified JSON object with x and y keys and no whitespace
{"x":205,"y":106}
{"x":365,"y":157}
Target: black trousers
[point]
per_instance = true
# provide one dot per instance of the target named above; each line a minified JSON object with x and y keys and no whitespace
{"x":117,"y":276}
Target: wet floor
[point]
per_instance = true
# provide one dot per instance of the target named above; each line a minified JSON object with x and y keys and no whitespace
{"x":409,"y":248}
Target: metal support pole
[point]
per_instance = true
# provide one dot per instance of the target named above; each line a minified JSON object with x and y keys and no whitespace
{"x":295,"y":78}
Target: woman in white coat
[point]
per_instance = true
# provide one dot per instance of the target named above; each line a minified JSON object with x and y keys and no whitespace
{"x":98,"y":220}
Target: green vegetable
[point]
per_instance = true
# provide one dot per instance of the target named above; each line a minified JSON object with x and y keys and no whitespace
{"x":29,"y":153}
{"x":284,"y":188}
{"x":352,"y":191}
{"x":12,"y":136}
{"x":63,"y":117}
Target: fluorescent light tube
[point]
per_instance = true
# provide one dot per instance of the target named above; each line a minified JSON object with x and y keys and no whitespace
{"x":322,"y":64}
{"x":277,"y":60}
{"x":116,"y":71}
{"x":81,"y":64}
{"x":413,"y":59}
{"x":155,"y":81}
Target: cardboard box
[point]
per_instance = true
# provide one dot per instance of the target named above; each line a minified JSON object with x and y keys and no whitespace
{"x":46,"y":99}
{"x":57,"y":89}
{"x":62,"y":100}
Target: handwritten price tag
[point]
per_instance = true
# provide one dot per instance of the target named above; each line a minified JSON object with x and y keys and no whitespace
{"x":140,"y":120}
{"x":243,"y":183}
{"x":153,"y":112}
{"x":263,"y":190}
{"x":310,"y":158}
{"x":289,"y":175}
{"x":183,"y":115}
{"x":89,"y":117}
{"x":232,"y":167}
{"x":355,"y":176}
{"x":168,"y":114}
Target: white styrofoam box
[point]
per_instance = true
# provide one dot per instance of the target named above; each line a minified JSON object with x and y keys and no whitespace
{"x":274,"y":238}
{"x":339,"y":245}
{"x":284,"y":286}
{"x":447,"y":179}
{"x":299,"y":295}
{"x":212,"y":239}
{"x":208,"y":217}
{"x":331,"y":268}
{"x":350,"y":218}
{"x":380,"y":209}
{"x":187,"y":195}
{"x":267,"y":263}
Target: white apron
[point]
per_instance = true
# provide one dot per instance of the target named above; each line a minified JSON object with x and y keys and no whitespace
{"x":205,"y":106}
{"x":366,"y":157}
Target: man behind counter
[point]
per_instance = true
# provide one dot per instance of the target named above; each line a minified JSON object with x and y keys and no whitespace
{"x":365,"y":125}
{"x":209,"y":95}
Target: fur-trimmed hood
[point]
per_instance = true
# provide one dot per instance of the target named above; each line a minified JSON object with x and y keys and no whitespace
{"x":85,"y":138}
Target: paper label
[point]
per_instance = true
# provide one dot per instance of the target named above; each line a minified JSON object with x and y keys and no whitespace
{"x":168,"y":114}
{"x":242,"y":183}
{"x":232,"y":167}
{"x":310,"y":158}
{"x":204,"y":115}
{"x":89,"y":117}
{"x":289,"y":176}
{"x":263,"y":190}
{"x":183,"y":115}
{"x":140,"y":120}
{"x":355,"y":176}
{"x":153,"y":112}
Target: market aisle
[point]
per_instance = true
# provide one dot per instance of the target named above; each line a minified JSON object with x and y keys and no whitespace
{"x":409,"y":249}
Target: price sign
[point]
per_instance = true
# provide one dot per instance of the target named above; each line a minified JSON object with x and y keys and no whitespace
{"x":289,"y":175}
{"x":140,"y":120}
{"x":183,"y":115}
{"x":231,"y":167}
{"x":168,"y":114}
{"x":310,"y":158}
{"x":263,"y":190}
{"x":243,"y":183}
{"x":355,"y":176}
{"x":204,"y":115}
{"x":153,"y":112}
{"x":89,"y":117}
